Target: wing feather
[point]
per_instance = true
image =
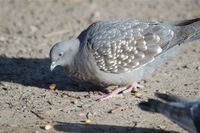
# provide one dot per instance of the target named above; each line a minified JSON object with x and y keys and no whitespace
{"x":123,"y":45}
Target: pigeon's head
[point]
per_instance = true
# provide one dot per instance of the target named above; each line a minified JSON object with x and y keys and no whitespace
{"x":62,"y":53}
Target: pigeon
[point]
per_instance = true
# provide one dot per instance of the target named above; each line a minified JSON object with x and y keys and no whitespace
{"x":182,"y":111}
{"x":121,"y":52}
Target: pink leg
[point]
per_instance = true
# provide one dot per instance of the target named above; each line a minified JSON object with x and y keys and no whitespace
{"x":132,"y":87}
{"x":119,"y":91}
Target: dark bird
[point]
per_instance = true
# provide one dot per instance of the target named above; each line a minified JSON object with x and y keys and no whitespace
{"x":181,"y":111}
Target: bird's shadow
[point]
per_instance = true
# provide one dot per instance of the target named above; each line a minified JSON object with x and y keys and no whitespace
{"x":36,"y":72}
{"x":94,"y":128}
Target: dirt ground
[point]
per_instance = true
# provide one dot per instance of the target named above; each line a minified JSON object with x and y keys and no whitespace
{"x":29,"y":28}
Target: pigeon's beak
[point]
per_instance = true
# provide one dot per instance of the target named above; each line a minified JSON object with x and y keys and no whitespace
{"x":53,"y":65}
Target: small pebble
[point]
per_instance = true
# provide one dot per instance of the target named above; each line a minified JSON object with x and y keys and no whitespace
{"x":33,"y":28}
{"x":48,"y":126}
{"x":185,"y":66}
{"x":74,"y":102}
{"x":161,"y":127}
{"x":2,"y":39}
{"x":136,"y":94}
{"x":198,"y":68}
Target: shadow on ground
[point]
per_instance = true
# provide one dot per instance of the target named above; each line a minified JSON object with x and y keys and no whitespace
{"x":92,"y":128}
{"x":35,"y":72}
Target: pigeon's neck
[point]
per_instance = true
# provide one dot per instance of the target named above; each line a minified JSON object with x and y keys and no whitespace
{"x":72,"y":49}
{"x":71,"y":52}
{"x":79,"y":68}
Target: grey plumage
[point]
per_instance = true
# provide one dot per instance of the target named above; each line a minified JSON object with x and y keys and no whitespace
{"x":183,"y":112}
{"x":121,"y":52}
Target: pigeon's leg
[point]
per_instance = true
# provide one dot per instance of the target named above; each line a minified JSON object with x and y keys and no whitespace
{"x":133,"y":87}
{"x":115,"y":93}
{"x":120,"y":90}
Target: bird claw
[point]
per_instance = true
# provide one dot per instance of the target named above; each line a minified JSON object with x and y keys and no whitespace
{"x":118,"y":92}
{"x":108,"y":96}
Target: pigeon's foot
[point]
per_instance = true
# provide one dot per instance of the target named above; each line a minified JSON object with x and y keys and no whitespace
{"x":119,"y":91}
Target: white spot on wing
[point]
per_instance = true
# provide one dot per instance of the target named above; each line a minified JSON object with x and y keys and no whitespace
{"x":159,"y":50}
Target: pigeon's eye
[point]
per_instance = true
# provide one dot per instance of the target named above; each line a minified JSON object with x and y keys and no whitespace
{"x":60,"y":54}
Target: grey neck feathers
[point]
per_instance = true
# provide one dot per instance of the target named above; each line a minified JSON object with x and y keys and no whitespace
{"x":72,"y":49}
{"x":81,"y":65}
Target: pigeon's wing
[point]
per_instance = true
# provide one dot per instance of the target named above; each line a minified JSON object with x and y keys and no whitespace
{"x":180,"y":115}
{"x":124,"y":45}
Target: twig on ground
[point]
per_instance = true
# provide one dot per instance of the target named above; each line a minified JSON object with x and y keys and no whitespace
{"x":37,"y":115}
{"x":55,"y":33}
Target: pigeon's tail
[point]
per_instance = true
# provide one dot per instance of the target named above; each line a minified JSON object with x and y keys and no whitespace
{"x":153,"y":106}
{"x":170,"y":98}
{"x":171,"y":111}
{"x":196,"y":116}
{"x":190,"y":29}
{"x":157,"y":106}
{"x":196,"y":27}
{"x":195,"y":36}
{"x":180,"y":115}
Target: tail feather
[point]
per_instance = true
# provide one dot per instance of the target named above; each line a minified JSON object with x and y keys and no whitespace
{"x":152,"y":106}
{"x":195,"y":36}
{"x":191,"y":28}
{"x":171,"y":111}
{"x":186,"y":22}
{"x":146,"y":106}
{"x":196,"y":116}
{"x":170,"y":98}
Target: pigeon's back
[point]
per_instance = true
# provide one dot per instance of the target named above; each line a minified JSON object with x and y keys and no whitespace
{"x":123,"y":45}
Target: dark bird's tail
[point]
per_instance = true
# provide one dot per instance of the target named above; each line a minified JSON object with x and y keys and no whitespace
{"x":153,"y":106}
{"x":171,"y":98}
{"x":175,"y":109}
{"x":165,"y":107}
{"x":196,"y":116}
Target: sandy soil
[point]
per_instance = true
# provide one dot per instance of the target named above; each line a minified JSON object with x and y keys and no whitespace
{"x":26,"y":103}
